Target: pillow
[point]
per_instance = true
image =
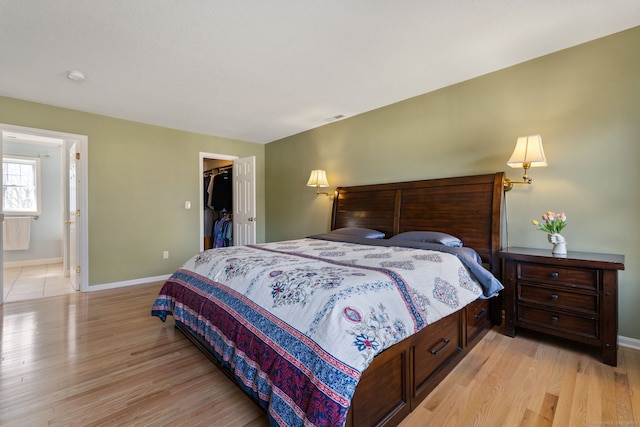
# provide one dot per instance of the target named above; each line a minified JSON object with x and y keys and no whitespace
{"x":429,"y":237}
{"x":366,"y":233}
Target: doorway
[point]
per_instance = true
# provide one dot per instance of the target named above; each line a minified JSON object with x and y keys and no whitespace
{"x":209,"y":162}
{"x":37,"y":246}
{"x":217,"y":200}
{"x":243,"y":212}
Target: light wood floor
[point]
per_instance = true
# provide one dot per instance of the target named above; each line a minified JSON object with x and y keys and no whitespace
{"x":100,"y":359}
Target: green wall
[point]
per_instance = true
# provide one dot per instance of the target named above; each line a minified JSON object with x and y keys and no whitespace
{"x":584,"y":101}
{"x":139,"y":178}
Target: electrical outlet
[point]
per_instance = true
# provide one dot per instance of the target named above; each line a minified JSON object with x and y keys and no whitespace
{"x":165,"y":254}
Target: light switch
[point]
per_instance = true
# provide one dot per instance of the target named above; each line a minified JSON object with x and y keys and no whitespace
{"x":187,"y":205}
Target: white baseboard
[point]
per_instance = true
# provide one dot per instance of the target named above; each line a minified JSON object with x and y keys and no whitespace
{"x":114,"y":285}
{"x":629,"y":342}
{"x":32,"y":262}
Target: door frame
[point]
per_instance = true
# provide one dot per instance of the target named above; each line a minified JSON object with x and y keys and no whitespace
{"x":82,"y":170}
{"x":203,"y":155}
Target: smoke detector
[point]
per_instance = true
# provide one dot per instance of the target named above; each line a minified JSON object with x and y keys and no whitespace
{"x":76,"y":76}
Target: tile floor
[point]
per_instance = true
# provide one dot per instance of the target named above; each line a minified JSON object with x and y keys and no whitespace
{"x":23,"y":283}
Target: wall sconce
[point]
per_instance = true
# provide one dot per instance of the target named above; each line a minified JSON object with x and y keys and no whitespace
{"x":318,"y":178}
{"x":527,"y":154}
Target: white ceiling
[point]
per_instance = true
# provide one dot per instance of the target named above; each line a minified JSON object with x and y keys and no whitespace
{"x":260,"y":70}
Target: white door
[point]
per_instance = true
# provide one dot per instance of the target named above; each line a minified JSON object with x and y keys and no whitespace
{"x":244,"y":201}
{"x":74,"y":273}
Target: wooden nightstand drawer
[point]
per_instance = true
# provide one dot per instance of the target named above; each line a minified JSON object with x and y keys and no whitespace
{"x":583,"y":302}
{"x":574,"y":277}
{"x":558,"y":320}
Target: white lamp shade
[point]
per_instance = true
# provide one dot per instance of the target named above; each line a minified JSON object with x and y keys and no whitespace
{"x":528,"y":150}
{"x":318,"y":178}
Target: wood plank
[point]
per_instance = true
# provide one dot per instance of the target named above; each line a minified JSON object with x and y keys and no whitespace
{"x":631,"y":366}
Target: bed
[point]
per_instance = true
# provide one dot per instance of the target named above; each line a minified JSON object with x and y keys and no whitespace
{"x":392,"y":298}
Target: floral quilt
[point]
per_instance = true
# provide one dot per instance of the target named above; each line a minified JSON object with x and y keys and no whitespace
{"x":299,"y":321}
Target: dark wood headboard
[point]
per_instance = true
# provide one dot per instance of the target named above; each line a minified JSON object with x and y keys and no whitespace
{"x":467,"y":207}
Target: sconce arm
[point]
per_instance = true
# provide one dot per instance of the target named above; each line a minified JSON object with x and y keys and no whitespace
{"x":318,"y":192}
{"x":508,"y":184}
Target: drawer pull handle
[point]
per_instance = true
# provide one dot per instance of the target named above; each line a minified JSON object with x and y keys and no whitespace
{"x":555,"y":297}
{"x":554,"y":274}
{"x":555,"y":319}
{"x":446,"y":343}
{"x":481,"y":314}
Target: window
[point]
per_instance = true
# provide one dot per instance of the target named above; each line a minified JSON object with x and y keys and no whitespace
{"x":21,"y":185}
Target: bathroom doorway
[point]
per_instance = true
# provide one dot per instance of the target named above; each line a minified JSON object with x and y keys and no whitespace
{"x":37,"y":220}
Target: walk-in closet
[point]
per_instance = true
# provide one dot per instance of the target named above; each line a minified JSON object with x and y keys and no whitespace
{"x":218,"y":203}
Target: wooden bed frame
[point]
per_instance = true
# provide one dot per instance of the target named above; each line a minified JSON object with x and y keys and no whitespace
{"x":467,"y":207}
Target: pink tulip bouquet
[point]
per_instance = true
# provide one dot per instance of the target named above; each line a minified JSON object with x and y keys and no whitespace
{"x":553,"y":222}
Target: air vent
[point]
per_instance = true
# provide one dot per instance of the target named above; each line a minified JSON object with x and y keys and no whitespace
{"x":334,"y":118}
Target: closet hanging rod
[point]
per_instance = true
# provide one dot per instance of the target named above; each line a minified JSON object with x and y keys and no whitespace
{"x":218,"y":170}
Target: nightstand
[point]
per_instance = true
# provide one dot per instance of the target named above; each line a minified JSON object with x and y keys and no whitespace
{"x":573,"y":297}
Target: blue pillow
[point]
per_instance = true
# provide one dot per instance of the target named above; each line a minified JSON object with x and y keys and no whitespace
{"x":429,"y":237}
{"x":366,"y":233}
